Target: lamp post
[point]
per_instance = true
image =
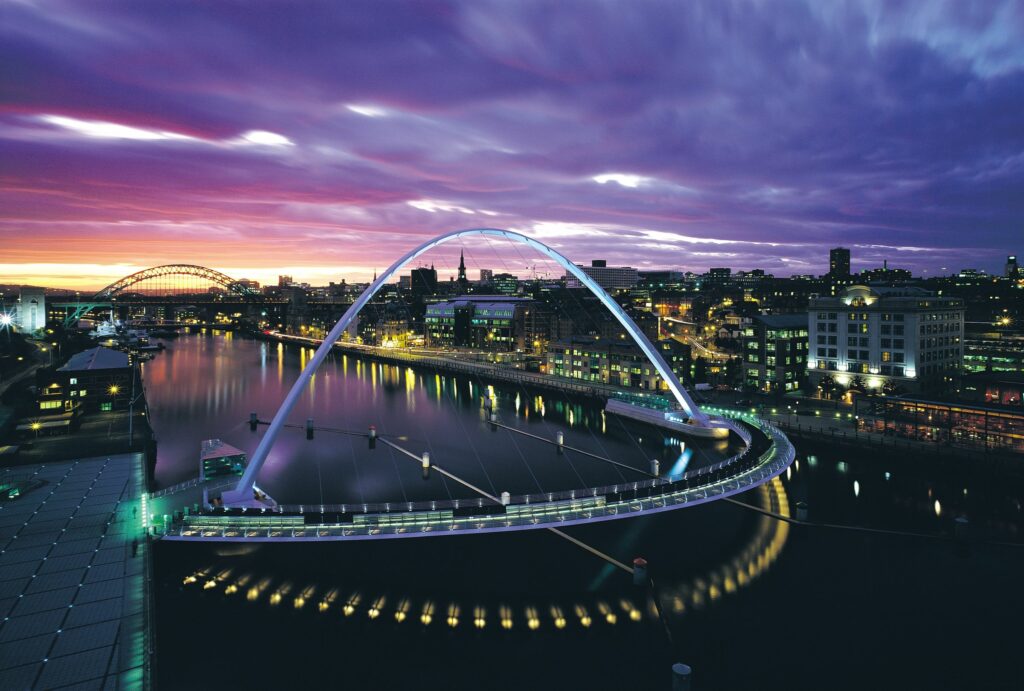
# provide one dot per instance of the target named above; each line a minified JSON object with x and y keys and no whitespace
{"x":6,"y":321}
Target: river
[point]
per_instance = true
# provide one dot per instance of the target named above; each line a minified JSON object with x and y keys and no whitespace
{"x":748,"y":601}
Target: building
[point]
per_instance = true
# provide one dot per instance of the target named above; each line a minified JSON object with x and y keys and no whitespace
{"x":95,"y":380}
{"x":775,"y":352}
{"x":968,"y":425}
{"x":995,"y":388}
{"x":1011,"y":269}
{"x":717,"y":277}
{"x":994,"y":353}
{"x":385,"y":325}
{"x":660,"y":279}
{"x":533,"y":328}
{"x":616,"y":362}
{"x":482,"y":322}
{"x":839,"y":262}
{"x":505,"y":284}
{"x":31,"y":316}
{"x":486,"y":275}
{"x":447,"y":324}
{"x":885,"y":275}
{"x":284,"y":281}
{"x":423,"y":281}
{"x":896,"y":338}
{"x":462,"y":280}
{"x":611,"y":278}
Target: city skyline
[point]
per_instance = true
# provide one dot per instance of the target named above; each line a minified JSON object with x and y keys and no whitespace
{"x":153,"y":134}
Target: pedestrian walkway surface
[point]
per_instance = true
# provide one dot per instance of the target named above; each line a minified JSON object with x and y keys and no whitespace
{"x":72,"y":595}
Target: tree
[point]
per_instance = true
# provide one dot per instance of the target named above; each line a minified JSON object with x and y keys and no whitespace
{"x":891,"y":388}
{"x":733,"y":371}
{"x":700,"y":370}
{"x":827,"y":386}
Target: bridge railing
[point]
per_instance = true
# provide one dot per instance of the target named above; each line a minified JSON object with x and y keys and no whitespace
{"x":734,"y":474}
{"x":231,"y":525}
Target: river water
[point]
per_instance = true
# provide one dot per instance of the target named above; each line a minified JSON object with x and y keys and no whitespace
{"x":748,"y":602}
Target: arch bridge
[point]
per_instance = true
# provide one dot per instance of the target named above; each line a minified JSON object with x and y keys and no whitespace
{"x":175,"y":271}
{"x":166,"y":281}
{"x":760,"y":461}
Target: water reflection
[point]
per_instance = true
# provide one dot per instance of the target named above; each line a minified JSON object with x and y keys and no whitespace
{"x":677,"y":596}
{"x":202,"y":386}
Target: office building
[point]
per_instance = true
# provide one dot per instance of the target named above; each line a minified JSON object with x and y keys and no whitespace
{"x":611,"y":278}
{"x":775,"y":352}
{"x":505,"y":284}
{"x":31,"y":316}
{"x":839,"y":262}
{"x":617,"y":362}
{"x":905,"y":338}
{"x":480,"y":322}
{"x":423,"y":281}
{"x":95,"y":380}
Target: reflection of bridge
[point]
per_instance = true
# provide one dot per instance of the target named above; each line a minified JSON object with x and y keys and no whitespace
{"x":165,"y":285}
{"x":255,"y":516}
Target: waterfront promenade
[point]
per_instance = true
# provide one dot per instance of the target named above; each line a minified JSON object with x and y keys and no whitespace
{"x":73,"y":577}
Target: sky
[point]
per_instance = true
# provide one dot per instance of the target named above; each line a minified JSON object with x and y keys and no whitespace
{"x":323,"y":140}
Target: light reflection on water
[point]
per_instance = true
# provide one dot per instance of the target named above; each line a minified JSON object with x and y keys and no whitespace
{"x":205,"y":386}
{"x":676,"y":596}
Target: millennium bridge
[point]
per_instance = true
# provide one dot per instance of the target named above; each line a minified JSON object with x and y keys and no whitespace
{"x":243,"y":512}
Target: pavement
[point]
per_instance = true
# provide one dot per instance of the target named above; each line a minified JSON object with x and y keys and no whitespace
{"x":73,"y":595}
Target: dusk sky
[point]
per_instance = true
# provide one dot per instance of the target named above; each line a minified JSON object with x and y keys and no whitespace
{"x":323,"y":140}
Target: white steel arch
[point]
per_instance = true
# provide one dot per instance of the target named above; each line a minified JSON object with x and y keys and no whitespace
{"x":243,"y":492}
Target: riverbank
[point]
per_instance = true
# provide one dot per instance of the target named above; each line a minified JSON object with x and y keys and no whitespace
{"x":475,"y":368}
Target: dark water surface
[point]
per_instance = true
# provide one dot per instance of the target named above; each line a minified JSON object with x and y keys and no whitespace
{"x":750,"y":602}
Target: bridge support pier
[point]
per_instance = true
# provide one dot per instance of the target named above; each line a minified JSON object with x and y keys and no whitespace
{"x":254,"y":420}
{"x":681,"y":677}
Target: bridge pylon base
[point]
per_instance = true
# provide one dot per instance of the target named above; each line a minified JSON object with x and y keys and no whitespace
{"x":251,"y":498}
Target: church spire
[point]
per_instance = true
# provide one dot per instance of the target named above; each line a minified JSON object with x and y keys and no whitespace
{"x":462,"y":268}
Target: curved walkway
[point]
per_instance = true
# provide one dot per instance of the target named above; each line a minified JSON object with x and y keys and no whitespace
{"x":316,"y":524}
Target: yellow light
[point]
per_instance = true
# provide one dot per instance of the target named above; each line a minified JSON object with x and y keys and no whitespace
{"x":36,"y":425}
{"x":113,"y":389}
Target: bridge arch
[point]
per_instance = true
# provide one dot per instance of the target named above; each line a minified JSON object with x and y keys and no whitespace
{"x":211,"y":275}
{"x":243,"y":492}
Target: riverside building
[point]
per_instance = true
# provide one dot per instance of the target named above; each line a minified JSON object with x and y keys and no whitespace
{"x":904,"y":338}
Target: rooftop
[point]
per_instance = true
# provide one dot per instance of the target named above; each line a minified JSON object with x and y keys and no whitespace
{"x":96,"y":359}
{"x":215,"y":448}
{"x":783,"y":321}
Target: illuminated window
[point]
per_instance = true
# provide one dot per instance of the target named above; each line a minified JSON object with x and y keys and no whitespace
{"x":50,"y":405}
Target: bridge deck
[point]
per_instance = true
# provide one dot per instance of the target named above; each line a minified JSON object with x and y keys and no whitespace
{"x":318,"y":523}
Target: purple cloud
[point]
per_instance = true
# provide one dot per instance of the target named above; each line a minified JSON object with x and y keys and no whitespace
{"x":777,"y":130}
